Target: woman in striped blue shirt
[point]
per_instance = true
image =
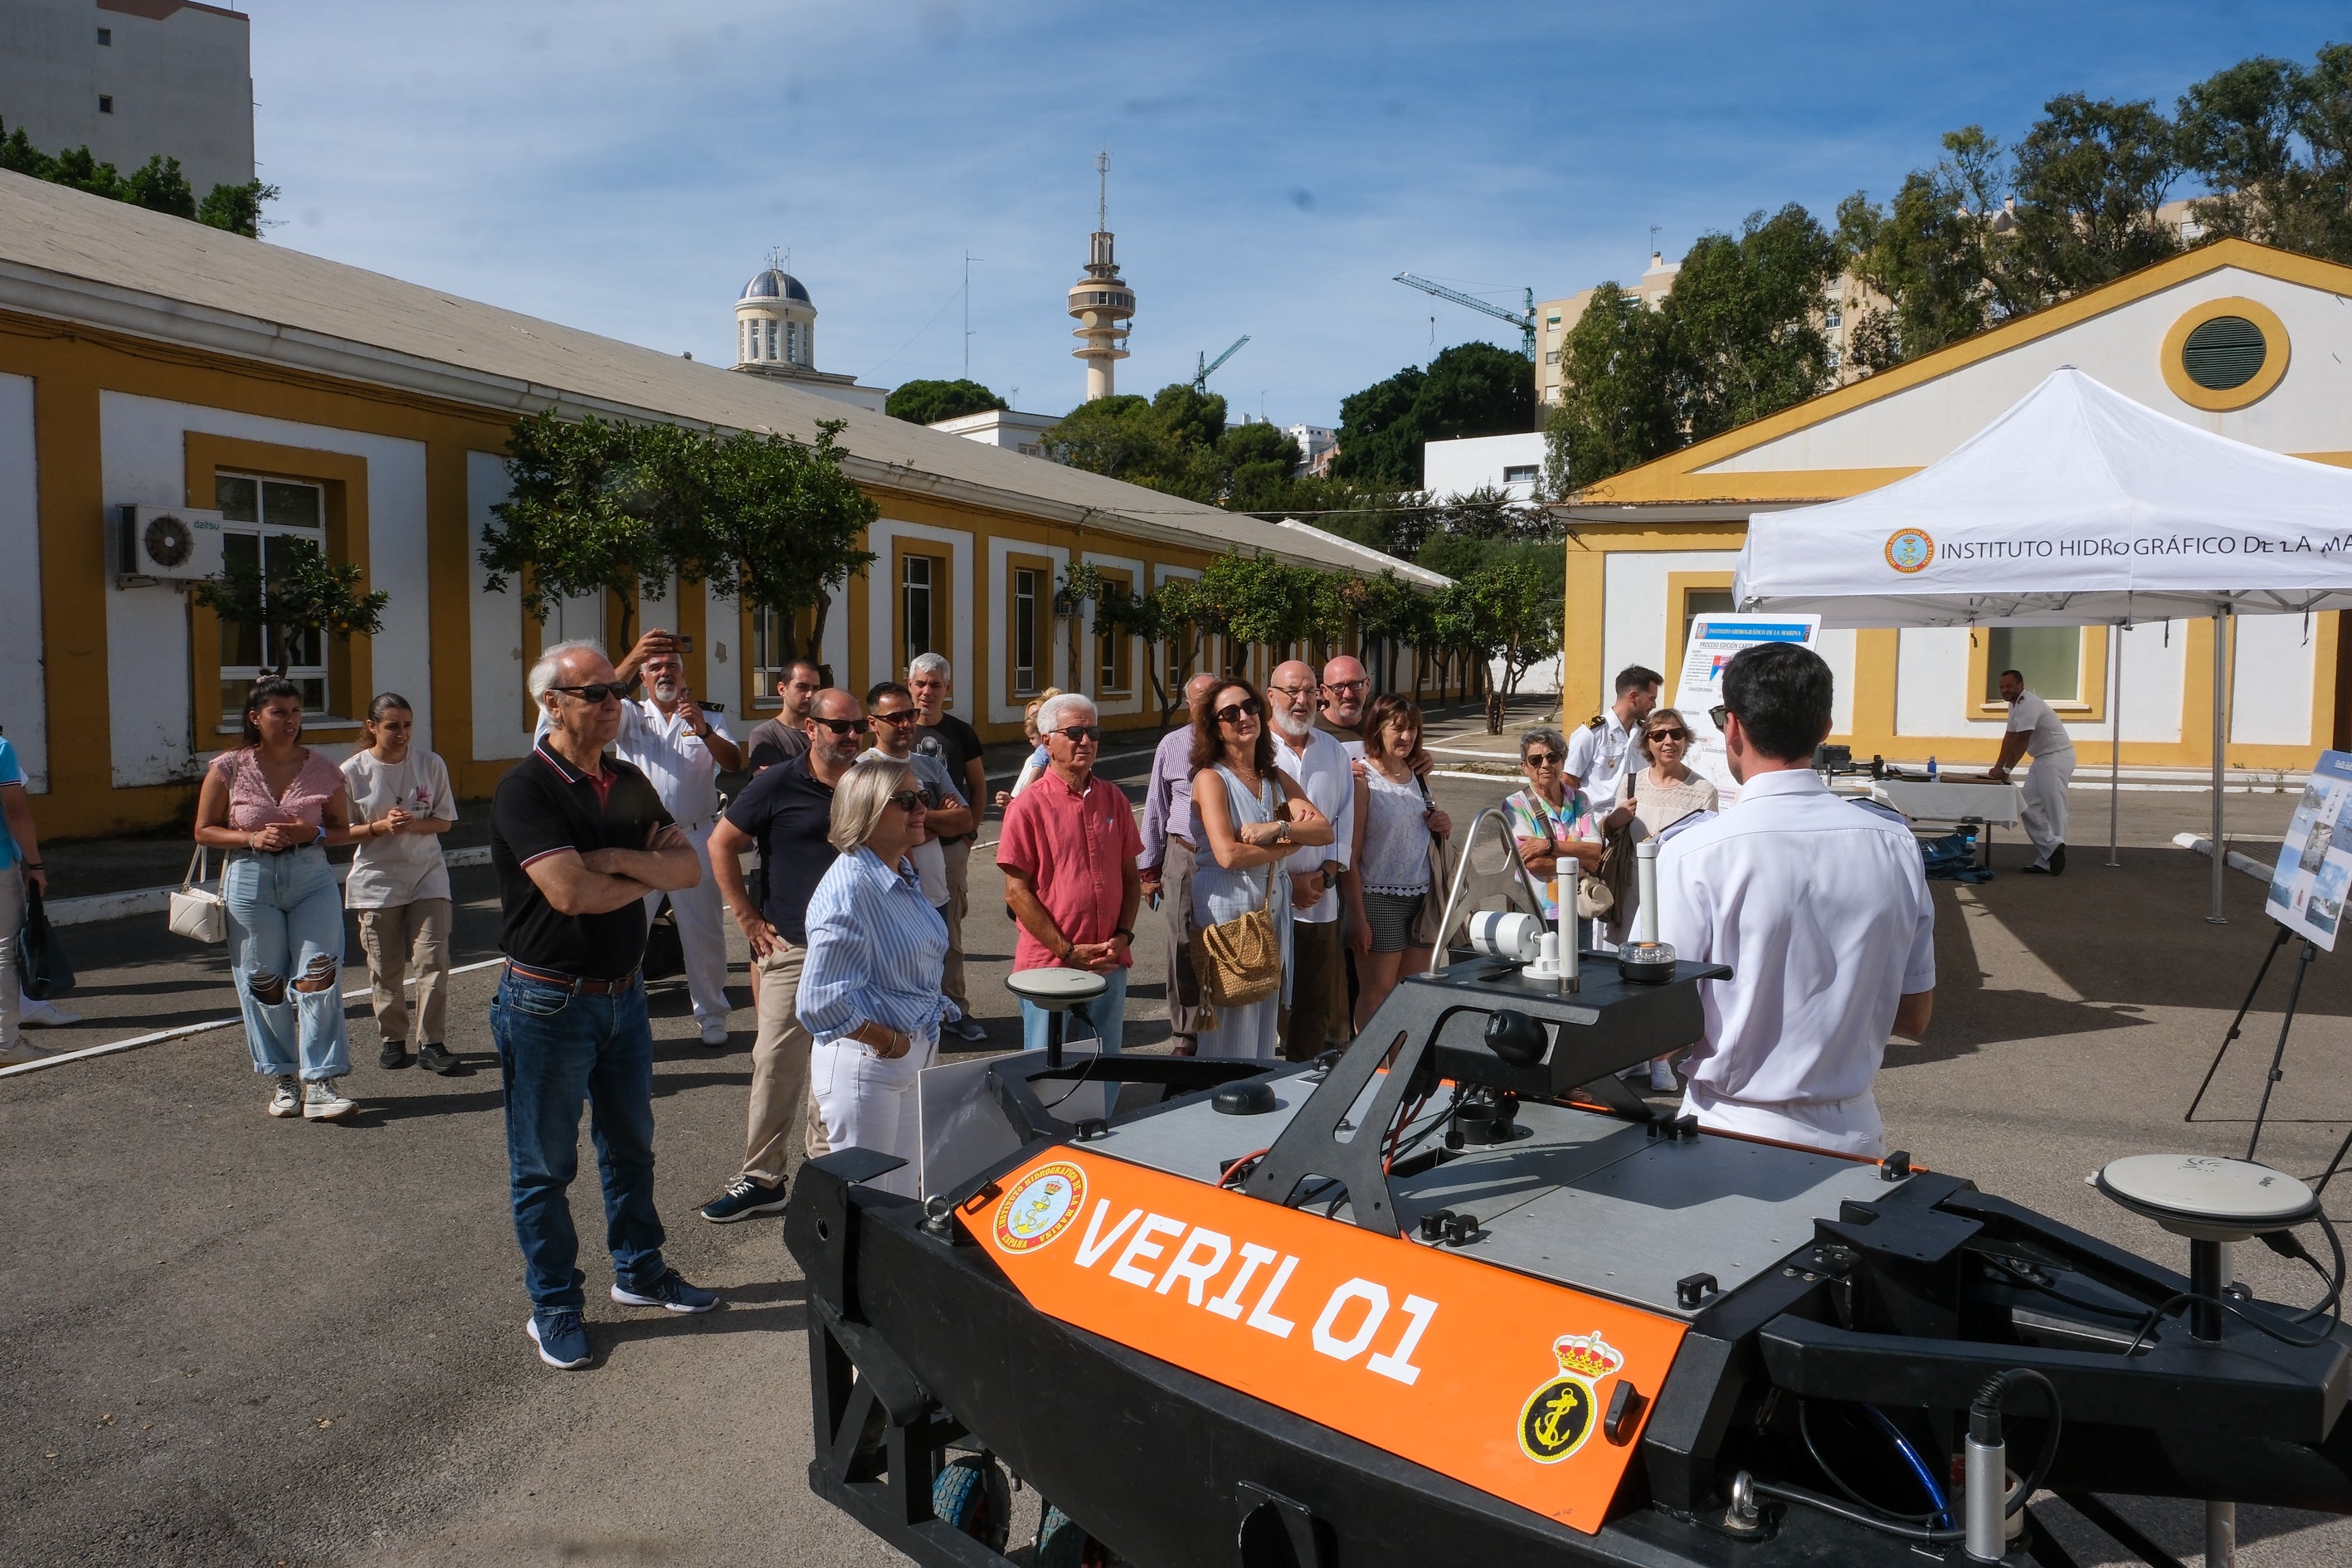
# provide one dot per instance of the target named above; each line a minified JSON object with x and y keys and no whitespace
{"x":870,"y":987}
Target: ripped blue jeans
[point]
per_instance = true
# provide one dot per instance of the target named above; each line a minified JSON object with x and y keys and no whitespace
{"x":286,"y":927}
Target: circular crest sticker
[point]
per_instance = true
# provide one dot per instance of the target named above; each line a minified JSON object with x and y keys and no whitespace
{"x":1040,"y":1206}
{"x":1909,"y":550}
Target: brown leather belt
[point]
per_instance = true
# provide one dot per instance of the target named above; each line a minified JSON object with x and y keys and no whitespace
{"x":577,"y":986}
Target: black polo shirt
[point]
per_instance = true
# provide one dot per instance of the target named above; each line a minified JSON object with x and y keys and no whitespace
{"x":955,"y":743}
{"x":787,"y":812}
{"x":543,"y":807}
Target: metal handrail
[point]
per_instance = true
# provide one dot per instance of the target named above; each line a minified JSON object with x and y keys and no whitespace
{"x":1461,"y":873}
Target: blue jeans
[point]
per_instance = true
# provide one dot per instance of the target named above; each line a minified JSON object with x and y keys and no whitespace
{"x":1103,"y":1019}
{"x":285,"y":921}
{"x":556,"y":1050}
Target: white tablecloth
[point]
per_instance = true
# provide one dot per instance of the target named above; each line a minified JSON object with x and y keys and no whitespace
{"x":1949,"y":801}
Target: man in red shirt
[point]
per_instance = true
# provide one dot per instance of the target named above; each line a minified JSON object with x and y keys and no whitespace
{"x":1068,"y":851}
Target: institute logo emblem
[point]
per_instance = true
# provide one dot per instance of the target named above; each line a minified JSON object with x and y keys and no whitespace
{"x":1040,"y":1207}
{"x":1909,"y":550}
{"x":1557,"y":1416}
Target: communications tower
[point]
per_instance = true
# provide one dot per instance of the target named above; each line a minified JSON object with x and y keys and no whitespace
{"x":1101,"y":302}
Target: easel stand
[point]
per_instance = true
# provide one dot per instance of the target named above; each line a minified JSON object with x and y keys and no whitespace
{"x":2278,"y":1054}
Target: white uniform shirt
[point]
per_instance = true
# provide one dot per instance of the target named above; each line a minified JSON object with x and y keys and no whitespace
{"x":1820,"y":907}
{"x":2028,"y":713}
{"x":1322,"y":775}
{"x":673,"y":757}
{"x":1596,"y":757}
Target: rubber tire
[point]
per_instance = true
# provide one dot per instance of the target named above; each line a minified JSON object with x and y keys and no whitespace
{"x":1061,"y":1543}
{"x":974,"y":1497}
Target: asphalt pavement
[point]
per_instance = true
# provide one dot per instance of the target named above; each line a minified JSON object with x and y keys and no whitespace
{"x":233,"y":1341}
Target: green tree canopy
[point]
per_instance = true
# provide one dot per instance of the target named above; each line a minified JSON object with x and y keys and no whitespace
{"x":2273,"y":143}
{"x":2090,"y":175}
{"x":929,"y":402}
{"x":1178,"y":441}
{"x":1617,"y":408}
{"x":158,"y":185}
{"x":1470,"y":389}
{"x":1744,"y":320}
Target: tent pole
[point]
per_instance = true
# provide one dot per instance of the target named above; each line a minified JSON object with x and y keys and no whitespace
{"x":2115,"y":740}
{"x":2220,"y":694}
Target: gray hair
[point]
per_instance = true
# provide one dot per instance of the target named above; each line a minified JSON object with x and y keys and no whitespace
{"x":1545,"y":735}
{"x":551,"y":665}
{"x":1048,"y":716}
{"x":929,"y":664}
{"x":859,"y":797}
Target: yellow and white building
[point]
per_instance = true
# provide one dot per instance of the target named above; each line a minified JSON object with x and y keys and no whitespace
{"x":146,"y":362}
{"x":2252,"y":343}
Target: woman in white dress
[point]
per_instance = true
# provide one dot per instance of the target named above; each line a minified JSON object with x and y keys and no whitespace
{"x":1249,"y":816}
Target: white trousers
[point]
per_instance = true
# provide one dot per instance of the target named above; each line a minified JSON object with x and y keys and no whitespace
{"x":701,"y":933}
{"x":1840,"y":1126}
{"x":866,"y":1102}
{"x":2041,"y":803}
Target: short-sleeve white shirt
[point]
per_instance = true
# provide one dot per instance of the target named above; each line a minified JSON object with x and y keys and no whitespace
{"x":2031,"y":714}
{"x":1596,"y":756}
{"x":1820,"y":907}
{"x":673,"y":757}
{"x":1323,"y":775}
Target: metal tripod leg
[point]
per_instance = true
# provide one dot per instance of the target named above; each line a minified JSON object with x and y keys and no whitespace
{"x":2278,"y":1053}
{"x":2278,"y":941}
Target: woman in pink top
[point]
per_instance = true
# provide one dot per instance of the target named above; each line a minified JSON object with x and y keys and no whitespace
{"x":276,"y":805}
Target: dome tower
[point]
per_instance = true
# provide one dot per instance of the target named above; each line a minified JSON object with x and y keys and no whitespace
{"x":775,"y":322}
{"x":1101,"y":302}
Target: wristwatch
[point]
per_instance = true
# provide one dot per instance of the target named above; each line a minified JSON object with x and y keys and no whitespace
{"x":1123,"y":931}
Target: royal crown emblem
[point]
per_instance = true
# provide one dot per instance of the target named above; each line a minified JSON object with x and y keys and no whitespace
{"x":1557,"y":1416}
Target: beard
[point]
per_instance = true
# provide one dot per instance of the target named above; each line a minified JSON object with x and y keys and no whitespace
{"x":1291,"y":725}
{"x":665,"y":691}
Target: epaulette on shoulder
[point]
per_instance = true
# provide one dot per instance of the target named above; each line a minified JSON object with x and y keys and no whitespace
{"x":1595,"y":722}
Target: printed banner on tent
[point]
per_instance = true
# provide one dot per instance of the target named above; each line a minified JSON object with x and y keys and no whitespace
{"x":2315,"y":864}
{"x":1698,"y":685}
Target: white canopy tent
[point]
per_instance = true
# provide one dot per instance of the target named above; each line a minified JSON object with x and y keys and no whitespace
{"x":2076,"y":506}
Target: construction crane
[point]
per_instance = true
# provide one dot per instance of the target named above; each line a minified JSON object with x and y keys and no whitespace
{"x":1525,"y":321}
{"x":1205,"y":367}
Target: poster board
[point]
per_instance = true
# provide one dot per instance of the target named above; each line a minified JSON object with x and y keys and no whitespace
{"x":2315,"y":864}
{"x":1698,"y":684}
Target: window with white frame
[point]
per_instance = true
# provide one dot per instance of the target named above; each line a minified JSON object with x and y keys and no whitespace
{"x":264,"y":521}
{"x":772,"y":653}
{"x":919,"y":579}
{"x":1115,"y":660}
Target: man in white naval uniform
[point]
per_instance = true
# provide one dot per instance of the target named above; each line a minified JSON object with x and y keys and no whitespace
{"x":1820,"y":908}
{"x":2035,"y":732}
{"x":1597,"y":753}
{"x":681,"y":749}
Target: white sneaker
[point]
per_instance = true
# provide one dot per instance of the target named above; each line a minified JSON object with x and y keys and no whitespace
{"x":46,"y":1015}
{"x":714,"y":1033}
{"x":321,"y":1101}
{"x":1662,"y":1079}
{"x":23,"y":1052}
{"x":287,"y":1101}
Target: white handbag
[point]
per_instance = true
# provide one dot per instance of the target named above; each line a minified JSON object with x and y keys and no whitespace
{"x":199,"y":911}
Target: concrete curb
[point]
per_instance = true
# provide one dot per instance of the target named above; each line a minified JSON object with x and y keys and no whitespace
{"x":99,"y":906}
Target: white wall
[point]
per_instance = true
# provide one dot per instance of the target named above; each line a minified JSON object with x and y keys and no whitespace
{"x":2271,"y":685}
{"x":1457,"y":468}
{"x":495,"y":671}
{"x":1931,"y":681}
{"x":142,"y":446}
{"x":23,"y":695}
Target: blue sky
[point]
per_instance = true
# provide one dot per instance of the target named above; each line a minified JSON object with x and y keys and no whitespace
{"x":624,"y":167}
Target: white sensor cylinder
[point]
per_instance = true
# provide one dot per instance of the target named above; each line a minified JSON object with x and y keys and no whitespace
{"x":1645,"y":883}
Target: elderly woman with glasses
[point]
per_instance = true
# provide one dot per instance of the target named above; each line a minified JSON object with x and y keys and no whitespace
{"x":1666,"y":791}
{"x":1248,"y":817}
{"x":1551,"y":823}
{"x":877,"y":951}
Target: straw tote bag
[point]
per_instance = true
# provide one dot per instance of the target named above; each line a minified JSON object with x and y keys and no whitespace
{"x":1239,"y":961}
{"x":198,"y":912}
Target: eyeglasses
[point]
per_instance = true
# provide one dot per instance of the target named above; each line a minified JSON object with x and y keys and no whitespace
{"x":1540,"y":759}
{"x":595,"y":691}
{"x":906,"y":799}
{"x":1079,"y":734}
{"x":1719,"y":712}
{"x":840,"y":726}
{"x":1234,"y":712}
{"x":1364,"y":685}
{"x":1657,"y":735}
{"x":1292,"y":690}
{"x":906,"y":717}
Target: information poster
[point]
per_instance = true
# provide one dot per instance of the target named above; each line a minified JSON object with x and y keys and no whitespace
{"x":2315,"y":864}
{"x":1698,"y":685}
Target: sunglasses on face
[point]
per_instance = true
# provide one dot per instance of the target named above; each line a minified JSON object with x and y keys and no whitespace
{"x":908,"y":800}
{"x":1719,"y":712}
{"x":1658,"y":735}
{"x":1234,"y":712}
{"x":1540,"y":759}
{"x":907,"y":718}
{"x":841,"y":726}
{"x":595,"y":691}
{"x":1079,"y":734}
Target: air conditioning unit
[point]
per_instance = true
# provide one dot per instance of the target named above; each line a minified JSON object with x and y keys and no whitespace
{"x":167,"y":545}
